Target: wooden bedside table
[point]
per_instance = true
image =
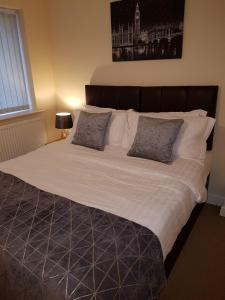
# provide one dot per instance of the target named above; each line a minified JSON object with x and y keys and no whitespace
{"x":55,"y":140}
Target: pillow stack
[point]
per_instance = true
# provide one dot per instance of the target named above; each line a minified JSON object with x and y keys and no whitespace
{"x":161,"y":136}
{"x":191,"y":140}
{"x":115,"y":128}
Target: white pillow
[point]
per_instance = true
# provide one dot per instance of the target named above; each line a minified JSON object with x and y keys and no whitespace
{"x":76,"y":114}
{"x":133,"y":120}
{"x":191,"y":140}
{"x":193,"y":113}
{"x":116,"y":128}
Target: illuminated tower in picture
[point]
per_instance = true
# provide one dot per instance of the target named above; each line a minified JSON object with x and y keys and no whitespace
{"x":137,"y":24}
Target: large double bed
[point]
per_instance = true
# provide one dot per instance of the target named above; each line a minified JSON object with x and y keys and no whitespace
{"x":77,"y":223}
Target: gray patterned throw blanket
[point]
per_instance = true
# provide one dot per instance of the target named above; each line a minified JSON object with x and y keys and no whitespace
{"x":54,"y":248}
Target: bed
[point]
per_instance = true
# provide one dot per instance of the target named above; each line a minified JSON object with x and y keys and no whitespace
{"x":73,"y":187}
{"x":157,"y":99}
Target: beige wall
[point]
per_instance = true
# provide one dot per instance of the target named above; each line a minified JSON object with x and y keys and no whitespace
{"x":81,"y":39}
{"x":39,"y":53}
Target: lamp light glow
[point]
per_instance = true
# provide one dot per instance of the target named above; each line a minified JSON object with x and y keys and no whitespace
{"x":63,"y":114}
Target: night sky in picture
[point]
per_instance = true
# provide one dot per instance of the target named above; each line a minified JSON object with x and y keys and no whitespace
{"x":154,"y":25}
{"x":153,"y":11}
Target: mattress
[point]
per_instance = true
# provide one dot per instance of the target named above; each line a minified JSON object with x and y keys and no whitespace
{"x":154,"y":195}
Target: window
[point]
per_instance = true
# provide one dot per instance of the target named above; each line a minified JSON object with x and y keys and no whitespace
{"x":15,"y":93}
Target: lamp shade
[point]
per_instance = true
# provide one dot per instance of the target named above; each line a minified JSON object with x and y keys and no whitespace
{"x":63,"y":120}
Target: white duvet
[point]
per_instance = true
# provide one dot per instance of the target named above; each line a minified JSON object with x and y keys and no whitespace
{"x":155,"y":195}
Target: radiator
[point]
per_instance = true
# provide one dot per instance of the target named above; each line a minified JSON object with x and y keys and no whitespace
{"x":21,"y":137}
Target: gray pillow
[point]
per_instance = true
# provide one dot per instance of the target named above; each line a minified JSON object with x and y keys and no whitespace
{"x":155,"y":138}
{"x":91,"y":130}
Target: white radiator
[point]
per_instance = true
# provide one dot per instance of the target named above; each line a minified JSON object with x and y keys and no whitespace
{"x":21,"y":137}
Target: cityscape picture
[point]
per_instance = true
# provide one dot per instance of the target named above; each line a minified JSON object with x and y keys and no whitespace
{"x":147,"y":29}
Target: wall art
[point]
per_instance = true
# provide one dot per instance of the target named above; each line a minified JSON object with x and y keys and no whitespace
{"x":147,"y":29}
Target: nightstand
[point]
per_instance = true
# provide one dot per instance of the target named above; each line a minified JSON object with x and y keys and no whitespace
{"x":54,"y":140}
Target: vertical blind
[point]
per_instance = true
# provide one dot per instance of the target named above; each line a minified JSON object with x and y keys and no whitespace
{"x":14,"y":92}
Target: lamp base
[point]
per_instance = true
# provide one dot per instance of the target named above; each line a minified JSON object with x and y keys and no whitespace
{"x":64,"y":134}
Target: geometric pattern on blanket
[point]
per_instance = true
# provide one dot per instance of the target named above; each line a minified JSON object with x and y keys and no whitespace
{"x":54,"y":248}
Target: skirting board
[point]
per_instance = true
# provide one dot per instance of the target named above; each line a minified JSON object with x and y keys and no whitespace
{"x":215,"y":199}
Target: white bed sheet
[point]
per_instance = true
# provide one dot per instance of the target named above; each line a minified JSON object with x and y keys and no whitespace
{"x":155,"y":195}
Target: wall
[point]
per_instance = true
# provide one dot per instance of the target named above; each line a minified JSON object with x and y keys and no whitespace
{"x":39,"y":53}
{"x":81,"y":39}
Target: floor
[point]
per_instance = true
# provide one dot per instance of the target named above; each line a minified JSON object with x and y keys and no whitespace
{"x":199,"y":273}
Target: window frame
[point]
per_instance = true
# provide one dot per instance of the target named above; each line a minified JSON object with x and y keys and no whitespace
{"x":26,"y":66}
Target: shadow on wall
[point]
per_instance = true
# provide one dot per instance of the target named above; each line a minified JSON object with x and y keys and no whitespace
{"x":99,"y":78}
{"x":135,"y":73}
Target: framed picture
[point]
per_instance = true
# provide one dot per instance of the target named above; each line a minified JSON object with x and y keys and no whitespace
{"x":147,"y":29}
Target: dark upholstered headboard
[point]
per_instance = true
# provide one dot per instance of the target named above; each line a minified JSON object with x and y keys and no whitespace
{"x":155,"y":99}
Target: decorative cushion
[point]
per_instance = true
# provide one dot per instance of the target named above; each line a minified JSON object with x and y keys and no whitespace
{"x":117,"y":124}
{"x":155,"y":138}
{"x":91,"y":130}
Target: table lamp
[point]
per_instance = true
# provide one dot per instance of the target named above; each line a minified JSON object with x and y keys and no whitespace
{"x":63,"y":121}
